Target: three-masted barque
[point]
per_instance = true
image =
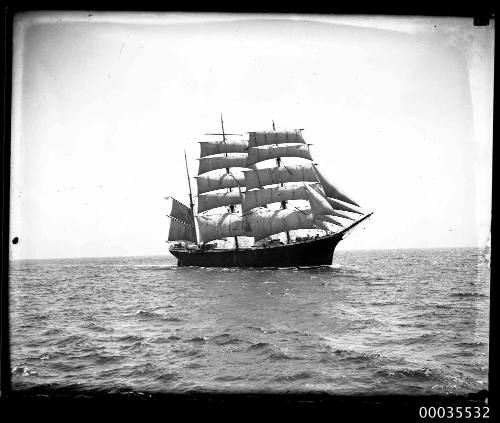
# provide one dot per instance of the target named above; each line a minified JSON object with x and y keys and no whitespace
{"x":252,"y":214}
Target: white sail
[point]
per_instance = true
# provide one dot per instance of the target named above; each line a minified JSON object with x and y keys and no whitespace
{"x":321,"y":209}
{"x":181,"y":222}
{"x":330,"y":219}
{"x":340,"y":214}
{"x":269,"y":222}
{"x":222,"y":226}
{"x":179,"y":231}
{"x":180,"y":211}
{"x":331,"y":191}
{"x":319,"y":204}
{"x":212,"y":200}
{"x":259,"y":154}
{"x":208,"y":148}
{"x":257,"y":178}
{"x":222,"y":162}
{"x":218,"y":180}
{"x":261,"y":197}
{"x":257,"y":139}
{"x":338,"y":205}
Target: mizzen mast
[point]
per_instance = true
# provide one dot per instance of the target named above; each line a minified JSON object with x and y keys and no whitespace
{"x":191,"y":204}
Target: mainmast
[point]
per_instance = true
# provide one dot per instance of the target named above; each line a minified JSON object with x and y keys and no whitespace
{"x":283,"y":203}
{"x":231,"y":207}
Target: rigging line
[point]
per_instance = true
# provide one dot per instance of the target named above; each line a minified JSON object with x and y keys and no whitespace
{"x":225,"y":133}
{"x":177,"y":201}
{"x":179,"y":220}
{"x":302,"y":211}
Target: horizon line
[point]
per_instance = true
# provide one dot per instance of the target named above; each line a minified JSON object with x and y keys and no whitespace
{"x":168,"y":254}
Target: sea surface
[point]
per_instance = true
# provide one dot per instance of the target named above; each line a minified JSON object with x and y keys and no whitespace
{"x":376,"y":322}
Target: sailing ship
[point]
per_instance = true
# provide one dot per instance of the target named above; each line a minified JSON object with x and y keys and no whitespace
{"x":252,"y":214}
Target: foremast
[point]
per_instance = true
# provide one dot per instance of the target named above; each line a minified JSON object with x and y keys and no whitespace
{"x":301,"y":182}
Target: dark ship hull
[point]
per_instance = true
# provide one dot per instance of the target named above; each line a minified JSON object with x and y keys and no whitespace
{"x":312,"y":252}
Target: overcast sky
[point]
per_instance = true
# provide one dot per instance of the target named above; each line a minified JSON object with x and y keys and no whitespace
{"x":399,"y":112}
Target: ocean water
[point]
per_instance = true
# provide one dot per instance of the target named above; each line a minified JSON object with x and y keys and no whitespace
{"x":376,"y":322}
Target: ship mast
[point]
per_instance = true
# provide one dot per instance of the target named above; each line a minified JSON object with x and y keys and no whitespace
{"x":231,"y":207}
{"x":191,"y":204}
{"x":283,"y":203}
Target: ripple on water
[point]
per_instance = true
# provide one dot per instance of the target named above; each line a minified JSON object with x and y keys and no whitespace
{"x":374,"y":321}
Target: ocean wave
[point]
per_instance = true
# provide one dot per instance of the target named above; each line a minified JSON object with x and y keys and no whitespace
{"x":226,"y":338}
{"x":262,"y":330}
{"x":198,"y":340}
{"x":130,"y":338}
{"x":68,"y":367}
{"x":72,"y":339}
{"x":144,"y":313}
{"x":164,"y":340}
{"x":472,"y":344}
{"x":421,"y":374}
{"x":52,"y":332}
{"x":171,"y":319}
{"x":133,"y":347}
{"x":165,"y":321}
{"x":383,"y":303}
{"x":228,"y":378}
{"x":154,"y":268}
{"x":259,"y":346}
{"x":294,"y":377}
{"x":184,"y":351}
{"x":94,"y":357}
{"x":157,"y":316}
{"x":96,"y":328}
{"x":353,"y":357}
{"x":467,"y":294}
{"x":193,"y":366}
{"x":167,"y":377}
{"x":280,"y":355}
{"x":23,"y":370}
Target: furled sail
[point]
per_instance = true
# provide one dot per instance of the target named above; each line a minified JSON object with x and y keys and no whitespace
{"x":222,"y":162}
{"x":219,"y":180}
{"x":181,"y":222}
{"x":222,"y":226}
{"x":257,"y":178}
{"x":259,"y":154}
{"x":331,"y":191}
{"x":212,"y":200}
{"x":261,"y":197}
{"x":208,"y":148}
{"x":269,"y":222}
{"x":257,"y":139}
